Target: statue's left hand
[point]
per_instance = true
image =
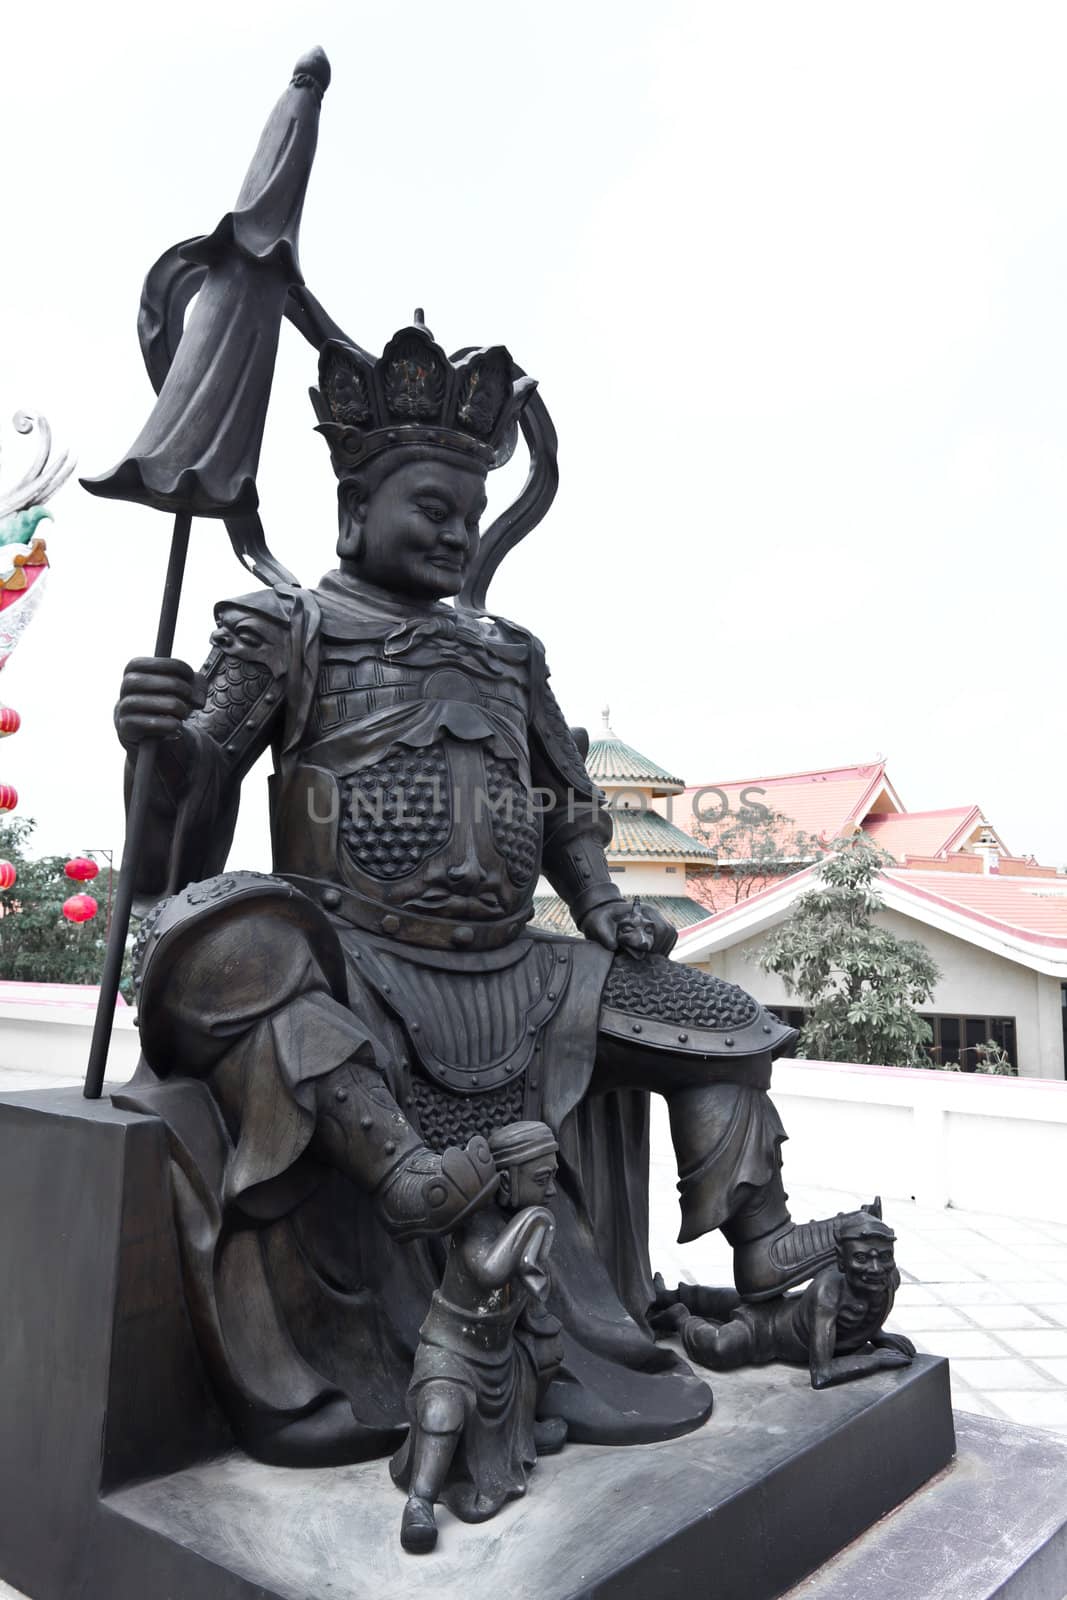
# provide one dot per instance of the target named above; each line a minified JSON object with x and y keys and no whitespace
{"x":602,"y":924}
{"x":895,"y":1341}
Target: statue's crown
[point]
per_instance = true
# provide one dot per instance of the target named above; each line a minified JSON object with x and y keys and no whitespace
{"x":416,"y":395}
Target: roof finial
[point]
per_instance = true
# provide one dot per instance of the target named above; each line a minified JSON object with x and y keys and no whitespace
{"x":606,"y":714}
{"x":420,"y":317}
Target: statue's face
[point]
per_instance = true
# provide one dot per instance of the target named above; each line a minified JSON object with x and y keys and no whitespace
{"x":416,"y":532}
{"x":635,"y":933}
{"x":532,"y":1183}
{"x":867,"y":1263}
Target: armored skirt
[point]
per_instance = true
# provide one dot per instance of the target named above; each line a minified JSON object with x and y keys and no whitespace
{"x":306,"y":1308}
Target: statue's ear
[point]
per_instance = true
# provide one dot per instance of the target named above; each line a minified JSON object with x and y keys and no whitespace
{"x":504,"y":1190}
{"x":352,"y":500}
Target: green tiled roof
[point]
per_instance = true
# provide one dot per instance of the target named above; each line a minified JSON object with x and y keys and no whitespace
{"x":610,"y":761}
{"x":551,"y":913}
{"x":646,"y":833}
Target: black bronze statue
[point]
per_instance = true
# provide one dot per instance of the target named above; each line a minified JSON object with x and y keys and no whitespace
{"x":834,"y":1327}
{"x":330,"y":1046}
{"x":377,"y":1193}
{"x":487,"y":1350}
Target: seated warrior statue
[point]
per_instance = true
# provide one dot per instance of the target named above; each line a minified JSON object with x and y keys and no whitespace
{"x":328,"y":1046}
{"x":487,"y":1351}
{"x":834,"y":1327}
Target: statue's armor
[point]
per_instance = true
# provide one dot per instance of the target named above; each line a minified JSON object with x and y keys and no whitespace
{"x":411,"y":789}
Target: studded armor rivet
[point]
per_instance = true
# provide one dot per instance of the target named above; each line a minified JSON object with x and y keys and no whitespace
{"x":462,"y":935}
{"x":387,"y":988}
{"x":436,"y":1194}
{"x":561,"y":959}
{"x":331,"y":899}
{"x":366,"y":1123}
{"x":341,"y":1094}
{"x":231,"y":749}
{"x":390,"y":924}
{"x":637,"y":1027}
{"x":767,"y":1028}
{"x":531,"y":1028}
{"x":390,"y":1147}
{"x":683,"y":1038}
{"x":728,"y":1039}
{"x":474,"y":1077}
{"x":414,"y":1027}
{"x":552,"y":994}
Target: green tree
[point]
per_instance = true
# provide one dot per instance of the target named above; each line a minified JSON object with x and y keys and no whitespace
{"x":860,"y":982}
{"x":752,"y":846}
{"x":37,"y":943}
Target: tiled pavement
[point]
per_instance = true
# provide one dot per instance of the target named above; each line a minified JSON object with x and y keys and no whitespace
{"x":989,"y":1293}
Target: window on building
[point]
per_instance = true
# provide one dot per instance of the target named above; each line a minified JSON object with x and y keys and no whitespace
{"x":956,"y":1039}
{"x":793,"y":1017}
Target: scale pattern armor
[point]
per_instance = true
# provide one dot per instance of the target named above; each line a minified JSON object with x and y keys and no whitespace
{"x":445,"y":1118}
{"x":515,"y":832}
{"x":233,"y":688}
{"x":397,"y":812}
{"x":669,"y":992}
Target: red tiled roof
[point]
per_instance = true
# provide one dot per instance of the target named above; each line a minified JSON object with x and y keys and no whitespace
{"x":826,"y":803}
{"x":1030,"y":908}
{"x":1033,"y":907}
{"x":922,"y":833}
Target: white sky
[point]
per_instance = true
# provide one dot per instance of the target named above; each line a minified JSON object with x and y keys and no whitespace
{"x":793,"y":278}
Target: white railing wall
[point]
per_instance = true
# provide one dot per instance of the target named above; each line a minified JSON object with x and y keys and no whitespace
{"x":941,"y":1138}
{"x":50,"y":1045}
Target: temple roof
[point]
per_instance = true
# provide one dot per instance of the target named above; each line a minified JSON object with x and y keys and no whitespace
{"x":551,"y":913}
{"x":610,"y":762}
{"x":647,"y":834}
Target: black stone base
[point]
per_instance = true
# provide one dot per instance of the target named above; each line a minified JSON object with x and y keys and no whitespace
{"x":991,"y":1527}
{"x":100,"y":1386}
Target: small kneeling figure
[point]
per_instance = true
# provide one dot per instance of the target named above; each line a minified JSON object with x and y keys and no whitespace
{"x":488,"y":1350}
{"x":834,"y":1326}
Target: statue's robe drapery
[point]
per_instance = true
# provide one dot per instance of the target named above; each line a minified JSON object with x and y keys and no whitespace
{"x":306,"y":1309}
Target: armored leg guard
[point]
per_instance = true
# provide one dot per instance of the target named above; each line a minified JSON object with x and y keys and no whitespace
{"x":417,"y":1191}
{"x":771,"y":1251}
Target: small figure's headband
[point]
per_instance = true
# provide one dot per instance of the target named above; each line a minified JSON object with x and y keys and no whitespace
{"x":863,"y":1225}
{"x":468,"y":406}
{"x":519,"y":1142}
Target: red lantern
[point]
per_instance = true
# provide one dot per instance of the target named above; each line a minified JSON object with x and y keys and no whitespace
{"x":81,"y":869}
{"x":10,"y":721}
{"x":9,"y":797}
{"x":7,"y":875}
{"x":79,"y":908}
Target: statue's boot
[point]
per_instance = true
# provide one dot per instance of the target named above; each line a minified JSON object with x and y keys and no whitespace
{"x":550,"y":1435}
{"x":771,"y":1251}
{"x":418,"y":1529}
{"x":417,"y":1191}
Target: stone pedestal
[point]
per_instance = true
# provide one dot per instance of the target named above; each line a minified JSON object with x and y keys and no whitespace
{"x":118,"y":1477}
{"x":992,"y":1526}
